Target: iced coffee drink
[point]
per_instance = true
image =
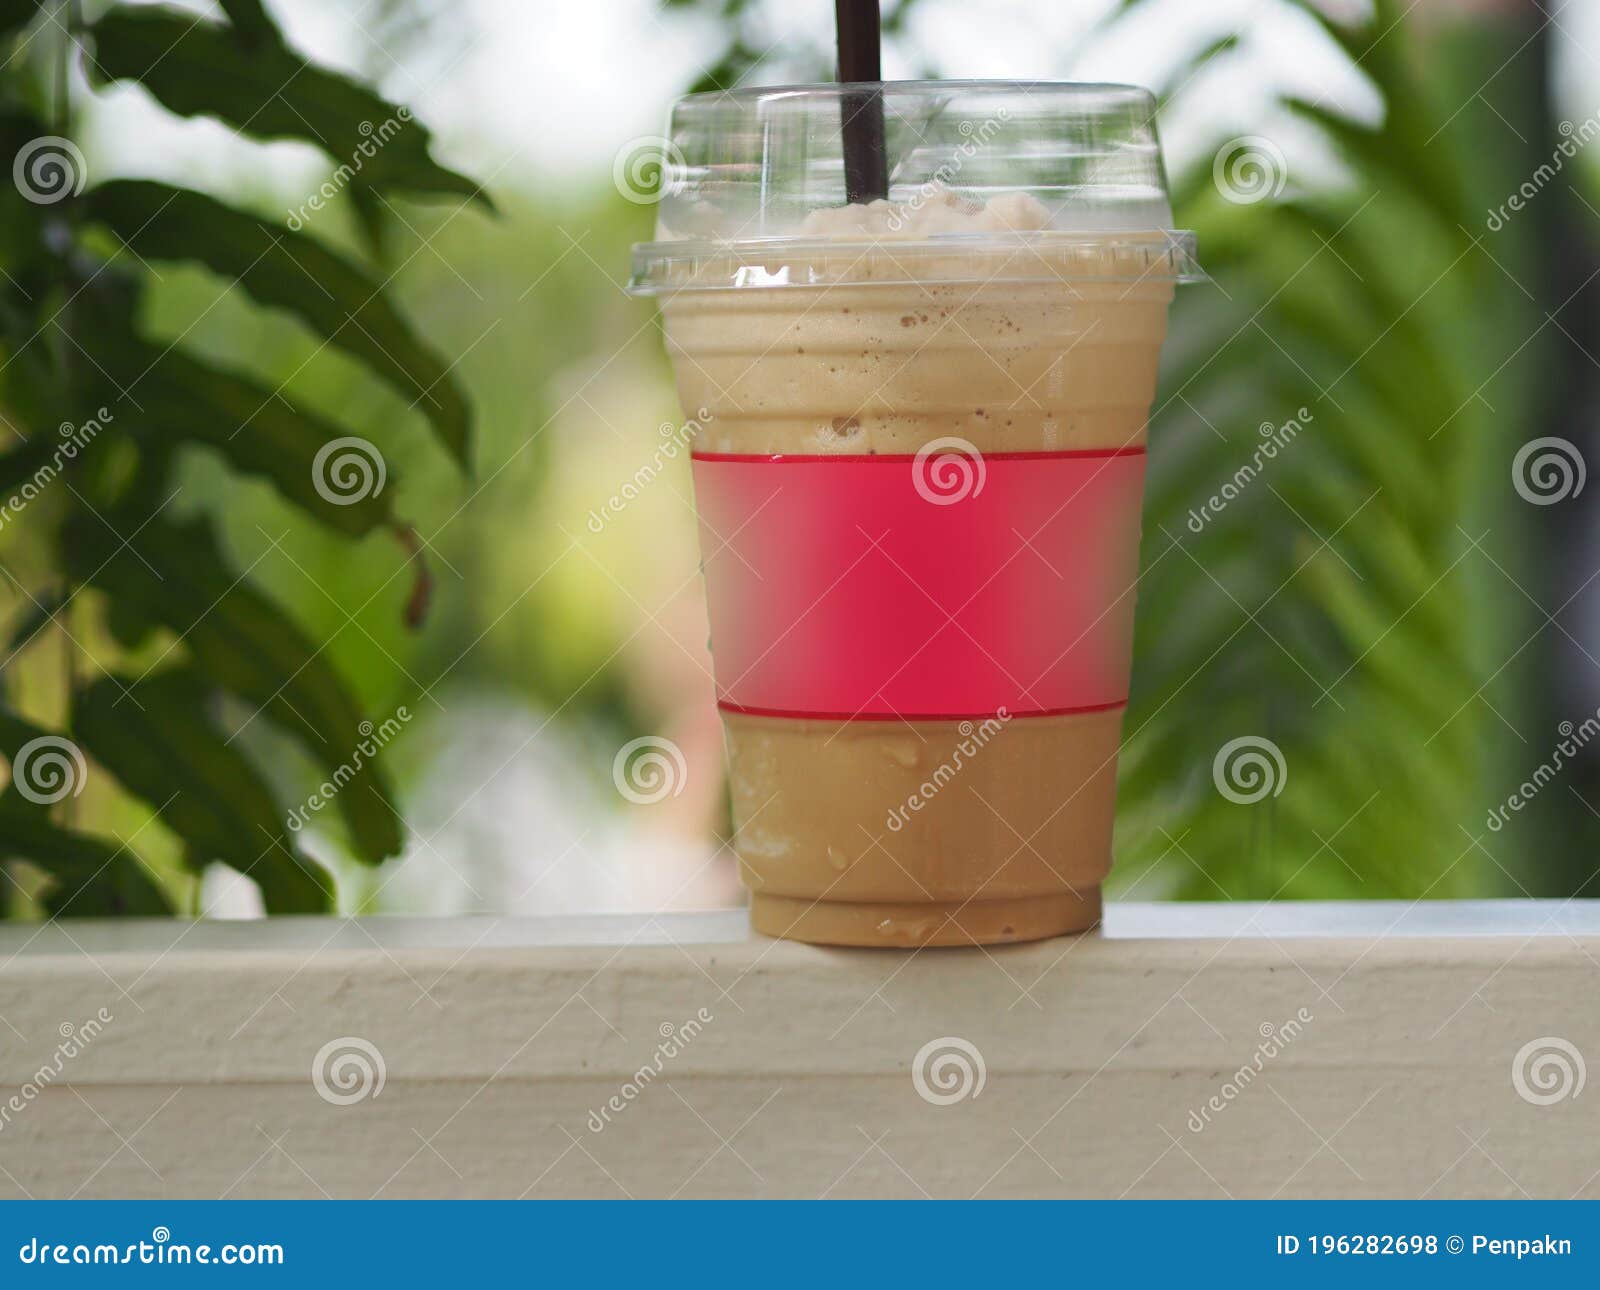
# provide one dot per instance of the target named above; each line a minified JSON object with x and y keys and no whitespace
{"x":919,"y":489}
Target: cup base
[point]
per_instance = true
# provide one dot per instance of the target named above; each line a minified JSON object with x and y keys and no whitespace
{"x":917,"y":923}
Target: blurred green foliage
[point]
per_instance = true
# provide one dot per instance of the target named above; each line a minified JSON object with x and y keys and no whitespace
{"x":1359,"y":603}
{"x":103,"y":415}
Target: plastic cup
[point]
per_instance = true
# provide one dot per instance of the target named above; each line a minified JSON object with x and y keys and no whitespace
{"x":919,"y":477}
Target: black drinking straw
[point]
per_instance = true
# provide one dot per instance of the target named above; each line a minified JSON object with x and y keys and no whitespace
{"x":866,"y":165}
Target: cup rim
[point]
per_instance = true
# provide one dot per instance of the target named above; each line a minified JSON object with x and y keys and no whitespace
{"x":1039,"y":255}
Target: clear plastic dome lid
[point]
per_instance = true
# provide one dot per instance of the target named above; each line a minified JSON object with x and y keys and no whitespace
{"x":984,"y":179}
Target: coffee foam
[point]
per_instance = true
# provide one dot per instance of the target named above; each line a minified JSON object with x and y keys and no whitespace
{"x":937,"y":235}
{"x":936,"y":210}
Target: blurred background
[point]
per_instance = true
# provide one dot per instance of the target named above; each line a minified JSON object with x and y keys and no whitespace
{"x":1397,"y":206}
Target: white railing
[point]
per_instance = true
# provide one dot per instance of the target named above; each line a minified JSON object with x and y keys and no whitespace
{"x":1229,"y":1050}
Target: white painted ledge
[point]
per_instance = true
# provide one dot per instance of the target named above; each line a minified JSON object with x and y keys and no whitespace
{"x":502,"y":1039}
